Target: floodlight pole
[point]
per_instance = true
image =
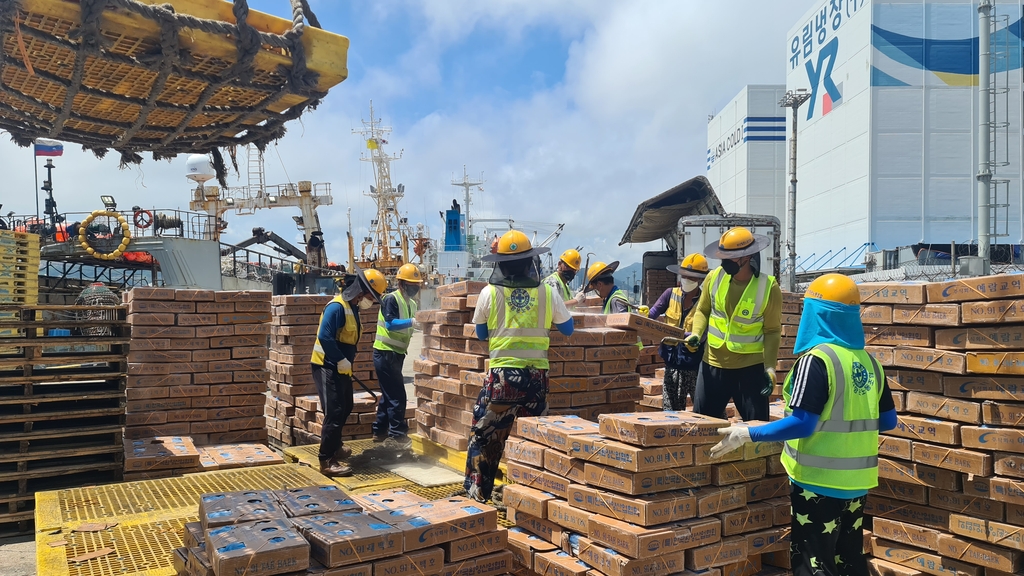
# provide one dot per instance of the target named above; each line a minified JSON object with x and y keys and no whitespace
{"x":792,"y":100}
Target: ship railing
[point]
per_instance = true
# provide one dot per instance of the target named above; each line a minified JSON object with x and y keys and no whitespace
{"x":143,"y":223}
{"x":248,"y":264}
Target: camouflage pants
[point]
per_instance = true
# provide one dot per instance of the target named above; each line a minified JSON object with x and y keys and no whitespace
{"x":678,"y":383}
{"x":507,"y":393}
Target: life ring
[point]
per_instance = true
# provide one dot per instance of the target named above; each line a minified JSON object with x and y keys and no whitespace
{"x":126,"y":235}
{"x":143,"y":219}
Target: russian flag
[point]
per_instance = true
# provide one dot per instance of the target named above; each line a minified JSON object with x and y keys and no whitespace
{"x":46,"y":147}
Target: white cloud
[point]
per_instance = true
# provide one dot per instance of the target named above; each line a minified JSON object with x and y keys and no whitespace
{"x":627,"y":122}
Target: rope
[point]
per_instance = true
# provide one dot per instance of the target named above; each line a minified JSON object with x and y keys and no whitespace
{"x":256,"y":123}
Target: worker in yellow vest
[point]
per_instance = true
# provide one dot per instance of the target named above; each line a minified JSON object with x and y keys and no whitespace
{"x":601,"y":279}
{"x":514,"y":313}
{"x":679,"y":304}
{"x":740,"y":314}
{"x":394,"y":331}
{"x":333,"y":354}
{"x":568,"y":266}
{"x":837,"y":401}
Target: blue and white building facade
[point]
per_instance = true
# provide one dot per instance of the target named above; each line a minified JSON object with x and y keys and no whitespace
{"x":888,"y":140}
{"x":747,"y":152}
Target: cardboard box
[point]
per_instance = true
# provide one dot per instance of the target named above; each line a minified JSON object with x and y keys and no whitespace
{"x":490,"y":565}
{"x":992,"y":338}
{"x":257,"y":548}
{"x":904,"y":533}
{"x":771,"y":487}
{"x":927,"y":315}
{"x":420,"y":562}
{"x":977,"y":506}
{"x":524,"y":451}
{"x":715,"y":500}
{"x":313,"y":500}
{"x":880,"y":314}
{"x":918,"y":559}
{"x":912,"y":493}
{"x":554,"y":431}
{"x":747,"y":519}
{"x":635,"y":541}
{"x":524,"y":545}
{"x":442,"y":521}
{"x":563,"y":465}
{"x":662,"y":428}
{"x":892,"y":293}
{"x":365,"y":538}
{"x":942,"y":407}
{"x":559,"y":563}
{"x":980,"y":554}
{"x":985,"y":438}
{"x":999,"y":533}
{"x":895,"y":447}
{"x":995,"y":362}
{"x":727,"y":551}
{"x":994,"y":311}
{"x":654,"y":481}
{"x":161,"y":453}
{"x":537,"y":479}
{"x":737,"y":472}
{"x":644,"y":326}
{"x":611,"y":563}
{"x":223,"y":508}
{"x":1002,"y":414}
{"x":597,"y":449}
{"x":641,"y":510}
{"x":957,"y":459}
{"x":926,"y":429}
{"x":527,"y":500}
{"x":909,"y":513}
{"x":980,"y":288}
{"x":568,"y":517}
{"x":921,"y":474}
{"x":930,"y":359}
{"x":897,"y":336}
{"x":1007,"y":464}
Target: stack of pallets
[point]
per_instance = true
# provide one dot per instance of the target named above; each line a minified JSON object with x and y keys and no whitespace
{"x":62,"y":406}
{"x":19,"y":268}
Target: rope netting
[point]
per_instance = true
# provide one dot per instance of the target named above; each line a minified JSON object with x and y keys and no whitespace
{"x":109,"y":87}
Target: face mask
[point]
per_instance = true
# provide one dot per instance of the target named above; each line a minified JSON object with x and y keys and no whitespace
{"x":412,"y":290}
{"x":731,"y":267}
{"x":688,"y":285}
{"x":567,"y":276}
{"x":365,"y":304}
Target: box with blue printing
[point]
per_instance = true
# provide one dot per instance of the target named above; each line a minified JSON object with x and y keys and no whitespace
{"x":313,"y":500}
{"x":347,"y":538}
{"x":261,"y":548}
{"x":233,"y":507}
{"x":434,"y":523}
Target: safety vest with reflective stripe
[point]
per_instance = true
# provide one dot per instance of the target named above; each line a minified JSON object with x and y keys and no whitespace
{"x":349,"y":333}
{"x":556,"y":282}
{"x":743,"y":333}
{"x":395,"y":340}
{"x":518,"y":325}
{"x":675,"y":307}
{"x":617,"y":295}
{"x":842,"y":453}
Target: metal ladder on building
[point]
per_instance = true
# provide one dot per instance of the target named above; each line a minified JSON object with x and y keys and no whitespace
{"x":999,"y":124}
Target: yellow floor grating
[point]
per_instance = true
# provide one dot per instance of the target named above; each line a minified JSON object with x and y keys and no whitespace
{"x":149,"y":515}
{"x":367,"y":477}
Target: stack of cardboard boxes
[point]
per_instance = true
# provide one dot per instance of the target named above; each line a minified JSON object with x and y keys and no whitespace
{"x":594,"y":371}
{"x":951,"y":493}
{"x":293,"y":410}
{"x":163,"y":457}
{"x":321,"y":530}
{"x":640,"y":494}
{"x":197,"y":365}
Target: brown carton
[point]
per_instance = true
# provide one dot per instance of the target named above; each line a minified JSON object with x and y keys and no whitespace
{"x":927,"y":315}
{"x":737,"y":472}
{"x":891,"y":293}
{"x":980,"y":554}
{"x":160,"y":453}
{"x":980,"y":288}
{"x":492,"y":564}
{"x":957,"y":502}
{"x":747,"y":519}
{"x":537,"y":479}
{"x":435,"y":523}
{"x":984,"y":438}
{"x":715,"y":500}
{"x":249,"y":549}
{"x":930,"y":359}
{"x":904,"y":533}
{"x":524,"y":545}
{"x":563,"y":465}
{"x":662,"y":428}
{"x":995,"y":363}
{"x":554,"y":431}
{"x":911,"y":513}
{"x":220,"y":509}
{"x":926,"y":429}
{"x":418,"y":563}
{"x":994,"y":311}
{"x":947,"y":458}
{"x":990,"y":338}
{"x":608,"y":562}
{"x":650,"y":482}
{"x":897,"y":336}
{"x":313,"y":500}
{"x":1002,"y":414}
{"x":558,"y":563}
{"x":635,"y":541}
{"x":644,"y":326}
{"x":771,"y":540}
{"x":942,"y":407}
{"x":347,"y":538}
{"x":727,"y":551}
{"x":527,"y":500}
{"x":524,"y":451}
{"x":916,"y":558}
{"x":895,"y":447}
{"x":641,"y":510}
{"x":880,"y":314}
{"x":388,"y":499}
{"x":597,"y":449}
{"x":918,"y":474}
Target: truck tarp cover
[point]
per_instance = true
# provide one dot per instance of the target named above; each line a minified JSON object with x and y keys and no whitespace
{"x":657,"y":217}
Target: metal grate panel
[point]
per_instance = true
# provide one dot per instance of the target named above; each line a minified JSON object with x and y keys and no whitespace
{"x":365,"y":477}
{"x":143,"y":547}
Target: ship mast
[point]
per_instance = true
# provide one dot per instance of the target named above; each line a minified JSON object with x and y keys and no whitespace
{"x":386,"y":247}
{"x":467,"y":184}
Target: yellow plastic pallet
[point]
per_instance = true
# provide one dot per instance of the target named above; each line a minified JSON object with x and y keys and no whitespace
{"x":149,"y":516}
{"x":370,"y":477}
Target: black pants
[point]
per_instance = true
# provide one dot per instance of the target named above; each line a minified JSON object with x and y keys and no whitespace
{"x":391,"y":408}
{"x":677,"y":385}
{"x":716,"y":386}
{"x":827,"y":535}
{"x":335,"y":392}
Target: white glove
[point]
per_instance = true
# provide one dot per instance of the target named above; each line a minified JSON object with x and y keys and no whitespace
{"x":579,"y":299}
{"x":344,"y":366}
{"x":735,"y":436}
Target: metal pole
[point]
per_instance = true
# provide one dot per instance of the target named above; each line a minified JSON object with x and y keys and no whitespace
{"x":791,"y":209}
{"x":984,"y":135}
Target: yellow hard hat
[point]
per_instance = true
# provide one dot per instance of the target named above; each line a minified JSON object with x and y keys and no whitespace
{"x":514,"y":245}
{"x":693,"y":266}
{"x":572,"y":259}
{"x":409,"y":273}
{"x":599,"y":269}
{"x":834,"y":288}
{"x":736,"y":243}
{"x":376,"y":280}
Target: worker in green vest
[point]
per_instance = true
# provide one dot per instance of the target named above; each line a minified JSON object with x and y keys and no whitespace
{"x":601,"y":279}
{"x":333,"y":354}
{"x":568,"y":267}
{"x":514,"y":314}
{"x":394,"y":330}
{"x":740,"y":314}
{"x":678,"y":305}
{"x":837,"y":401}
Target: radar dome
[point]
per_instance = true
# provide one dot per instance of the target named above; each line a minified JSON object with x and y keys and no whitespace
{"x":199,"y":169}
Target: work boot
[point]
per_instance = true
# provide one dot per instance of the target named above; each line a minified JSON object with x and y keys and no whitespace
{"x":332,"y":468}
{"x":378,"y":439}
{"x":343,"y":453}
{"x":399,"y":443}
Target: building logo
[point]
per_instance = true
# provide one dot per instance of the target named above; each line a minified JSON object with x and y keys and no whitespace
{"x":820,"y":77}
{"x":752,"y":129}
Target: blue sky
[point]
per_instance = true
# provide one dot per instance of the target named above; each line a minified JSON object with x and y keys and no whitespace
{"x":574,"y":111}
